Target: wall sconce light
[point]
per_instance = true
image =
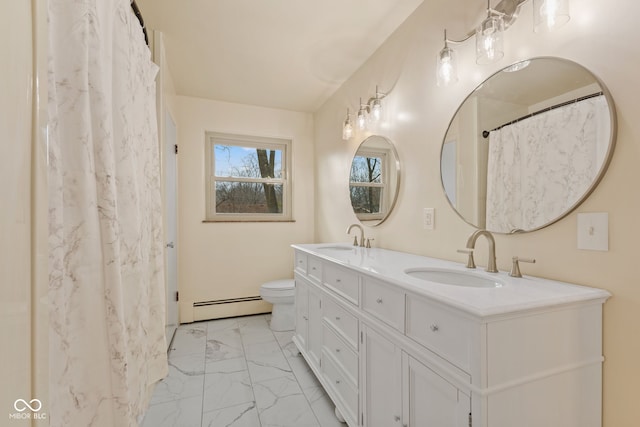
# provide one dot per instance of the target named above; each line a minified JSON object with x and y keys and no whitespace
{"x":548,"y":15}
{"x":370,"y":112}
{"x":489,"y":44}
{"x":362,"y":116}
{"x":375,"y":105}
{"x":446,"y":65}
{"x":347,"y":127}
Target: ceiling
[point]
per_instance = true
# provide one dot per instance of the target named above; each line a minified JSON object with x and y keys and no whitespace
{"x":288,"y":54}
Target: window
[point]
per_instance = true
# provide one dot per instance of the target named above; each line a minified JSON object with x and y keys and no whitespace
{"x":368,"y":182}
{"x":247,"y":178}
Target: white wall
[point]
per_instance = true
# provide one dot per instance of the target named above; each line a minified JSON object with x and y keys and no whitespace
{"x":231,"y":260}
{"x":599,"y":36}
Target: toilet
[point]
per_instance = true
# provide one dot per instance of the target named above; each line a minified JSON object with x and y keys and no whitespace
{"x":280,"y":293}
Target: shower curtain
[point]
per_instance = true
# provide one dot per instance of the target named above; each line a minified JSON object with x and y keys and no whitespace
{"x":107,"y":342}
{"x":541,"y":166}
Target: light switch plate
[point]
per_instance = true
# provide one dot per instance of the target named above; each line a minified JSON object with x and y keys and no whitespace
{"x":593,"y":231}
{"x":429,"y":218}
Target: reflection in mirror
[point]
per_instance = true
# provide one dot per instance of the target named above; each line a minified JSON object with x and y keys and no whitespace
{"x":374,"y":180}
{"x":528,"y":145}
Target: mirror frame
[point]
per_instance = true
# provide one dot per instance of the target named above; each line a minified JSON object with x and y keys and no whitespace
{"x":600,"y":174}
{"x":396,"y":190}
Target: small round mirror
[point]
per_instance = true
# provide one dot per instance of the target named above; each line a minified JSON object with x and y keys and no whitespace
{"x":374,"y":180}
{"x":528,"y":145}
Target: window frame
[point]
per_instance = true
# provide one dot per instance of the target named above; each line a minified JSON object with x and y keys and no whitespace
{"x":383,"y":155}
{"x":257,"y":142}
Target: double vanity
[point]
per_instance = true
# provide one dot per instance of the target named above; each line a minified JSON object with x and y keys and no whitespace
{"x":402,"y":340}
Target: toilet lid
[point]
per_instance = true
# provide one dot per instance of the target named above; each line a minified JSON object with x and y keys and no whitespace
{"x":280,"y":285}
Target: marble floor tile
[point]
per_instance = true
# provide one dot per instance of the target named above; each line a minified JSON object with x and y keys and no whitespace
{"x":237,"y":372}
{"x":224,"y":345}
{"x":245,"y":415}
{"x":185,"y":379}
{"x":189,"y":340}
{"x":176,"y":413}
{"x":225,"y":389}
{"x":268,"y":367}
{"x":288,"y":411}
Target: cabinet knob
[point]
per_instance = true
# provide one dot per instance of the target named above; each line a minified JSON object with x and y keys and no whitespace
{"x":396,"y":418}
{"x":434,"y":327}
{"x":305,"y":317}
{"x":337,"y":381}
{"x":379,"y":300}
{"x":313,"y":268}
{"x":338,"y":318}
{"x":338,"y":281}
{"x":337,"y":350}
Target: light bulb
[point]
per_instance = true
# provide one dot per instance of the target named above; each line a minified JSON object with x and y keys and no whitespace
{"x":446,"y":67}
{"x":347,"y":127}
{"x":362,"y":119}
{"x":376,"y":110}
{"x":550,"y":14}
{"x":489,"y":40}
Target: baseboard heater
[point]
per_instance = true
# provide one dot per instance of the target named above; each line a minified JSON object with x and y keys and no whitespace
{"x":231,"y":307}
{"x":226,"y":301}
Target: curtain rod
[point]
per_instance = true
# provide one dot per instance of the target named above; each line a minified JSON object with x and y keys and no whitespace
{"x":136,"y":11}
{"x":485,"y":133}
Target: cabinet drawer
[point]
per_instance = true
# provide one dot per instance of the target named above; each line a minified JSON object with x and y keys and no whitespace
{"x":347,"y":395}
{"x":314,"y":269}
{"x":342,"y":281}
{"x":342,"y":321}
{"x":345,"y":357}
{"x":442,"y":331}
{"x":384,"y":302}
{"x":301,"y":262}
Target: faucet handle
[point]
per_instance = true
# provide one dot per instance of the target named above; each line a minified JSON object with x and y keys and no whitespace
{"x":355,"y":240}
{"x":515,"y":266}
{"x":470,"y":261}
{"x":369,"y":239}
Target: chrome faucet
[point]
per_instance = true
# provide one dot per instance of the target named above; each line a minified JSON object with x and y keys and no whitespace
{"x":355,"y":239}
{"x":471,"y":243}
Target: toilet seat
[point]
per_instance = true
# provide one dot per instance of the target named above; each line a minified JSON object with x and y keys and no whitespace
{"x":279,"y":286}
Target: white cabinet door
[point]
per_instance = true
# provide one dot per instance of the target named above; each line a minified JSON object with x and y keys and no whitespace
{"x":314,"y":338}
{"x":430,"y":400}
{"x":382,"y":381}
{"x":302,"y":311}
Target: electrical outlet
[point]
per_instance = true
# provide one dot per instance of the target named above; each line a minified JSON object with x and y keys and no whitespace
{"x":428,"y":218}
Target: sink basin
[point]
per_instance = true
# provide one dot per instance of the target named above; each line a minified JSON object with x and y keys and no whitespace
{"x":336,"y":248}
{"x":454,"y":277}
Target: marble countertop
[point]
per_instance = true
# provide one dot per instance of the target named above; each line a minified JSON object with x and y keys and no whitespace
{"x":516,"y":294}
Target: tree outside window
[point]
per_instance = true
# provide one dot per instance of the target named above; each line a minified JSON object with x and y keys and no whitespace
{"x":247,"y":180}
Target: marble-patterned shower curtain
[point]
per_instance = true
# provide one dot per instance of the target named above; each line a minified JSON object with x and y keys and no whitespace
{"x":539,"y":167}
{"x":107,"y":342}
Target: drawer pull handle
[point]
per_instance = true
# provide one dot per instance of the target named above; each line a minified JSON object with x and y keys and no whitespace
{"x":396,"y":418}
{"x":337,"y":350}
{"x":379,"y":300}
{"x":337,"y":381}
{"x":313,"y":268}
{"x":338,"y":318}
{"x":305,"y":317}
{"x":434,"y":327}
{"x":338,"y":281}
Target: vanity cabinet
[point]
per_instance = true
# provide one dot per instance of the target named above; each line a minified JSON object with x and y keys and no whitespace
{"x":391,"y":351}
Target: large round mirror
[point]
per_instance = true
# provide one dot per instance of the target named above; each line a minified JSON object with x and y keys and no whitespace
{"x":374,"y":180}
{"x":528,"y":145}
